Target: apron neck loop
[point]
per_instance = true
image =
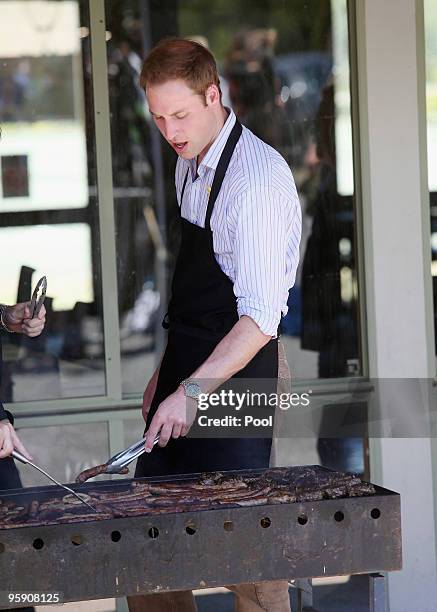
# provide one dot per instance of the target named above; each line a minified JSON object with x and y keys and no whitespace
{"x":220,"y":172}
{"x":222,"y":166}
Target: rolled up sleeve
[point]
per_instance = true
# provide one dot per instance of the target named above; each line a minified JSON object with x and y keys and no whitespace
{"x":264,"y":221}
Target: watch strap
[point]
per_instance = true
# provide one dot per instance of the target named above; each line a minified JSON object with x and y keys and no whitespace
{"x":2,"y":320}
{"x":186,"y":384}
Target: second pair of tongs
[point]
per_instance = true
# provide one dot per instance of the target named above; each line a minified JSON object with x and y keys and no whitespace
{"x":20,"y":457}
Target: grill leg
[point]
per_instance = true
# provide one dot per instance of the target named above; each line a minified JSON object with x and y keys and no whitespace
{"x":304,"y":589}
{"x":378,"y":593}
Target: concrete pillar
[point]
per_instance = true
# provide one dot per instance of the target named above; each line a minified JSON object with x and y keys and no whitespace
{"x":391,"y":96}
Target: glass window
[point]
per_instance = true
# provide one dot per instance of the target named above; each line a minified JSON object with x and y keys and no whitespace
{"x":48,"y":199}
{"x":431,"y":111}
{"x":133,"y":430}
{"x":81,"y":447}
{"x":284,"y":69}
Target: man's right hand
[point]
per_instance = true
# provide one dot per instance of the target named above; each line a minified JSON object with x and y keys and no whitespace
{"x":9,"y":440}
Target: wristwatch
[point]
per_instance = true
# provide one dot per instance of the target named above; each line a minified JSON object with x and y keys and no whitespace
{"x":191,"y":389}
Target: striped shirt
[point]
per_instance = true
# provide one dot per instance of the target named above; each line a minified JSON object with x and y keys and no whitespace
{"x":256,"y":222}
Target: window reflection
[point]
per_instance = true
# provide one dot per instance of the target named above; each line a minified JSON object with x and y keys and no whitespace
{"x":140,"y":198}
{"x":91,"y":447}
{"x":284,"y":69}
{"x":48,"y":208}
{"x":328,"y":321}
{"x":431,"y":112}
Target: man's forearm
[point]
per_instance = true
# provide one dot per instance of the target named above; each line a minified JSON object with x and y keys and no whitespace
{"x":175,"y":415}
{"x":231,"y":355}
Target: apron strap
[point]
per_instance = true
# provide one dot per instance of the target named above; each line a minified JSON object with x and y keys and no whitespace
{"x":220,"y":172}
{"x":222,"y":166}
{"x":183,"y":190}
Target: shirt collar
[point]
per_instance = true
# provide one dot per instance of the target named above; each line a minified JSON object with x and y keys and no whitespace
{"x":213,"y":155}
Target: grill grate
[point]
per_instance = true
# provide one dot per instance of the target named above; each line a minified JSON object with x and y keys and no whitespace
{"x":311,"y":522}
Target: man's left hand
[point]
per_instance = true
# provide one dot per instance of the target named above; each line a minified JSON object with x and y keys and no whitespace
{"x":17,"y":319}
{"x":173,"y":418}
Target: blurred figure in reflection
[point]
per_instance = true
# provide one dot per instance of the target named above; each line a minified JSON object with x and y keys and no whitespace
{"x":14,"y":319}
{"x":329,"y":324}
{"x":131,"y":163}
{"x":14,"y":86}
{"x":254,"y":87}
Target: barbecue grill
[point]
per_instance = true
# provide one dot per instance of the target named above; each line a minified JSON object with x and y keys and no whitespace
{"x":315,"y":523}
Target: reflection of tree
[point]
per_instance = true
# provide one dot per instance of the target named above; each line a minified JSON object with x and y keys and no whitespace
{"x":299,"y":25}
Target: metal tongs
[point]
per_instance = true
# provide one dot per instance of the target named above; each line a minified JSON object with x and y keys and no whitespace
{"x":38,"y":297}
{"x":17,"y":455}
{"x":122,"y":459}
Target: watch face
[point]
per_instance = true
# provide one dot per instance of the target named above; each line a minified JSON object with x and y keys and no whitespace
{"x":192,"y":390}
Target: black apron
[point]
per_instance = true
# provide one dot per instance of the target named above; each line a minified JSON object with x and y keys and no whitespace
{"x":202,"y":310}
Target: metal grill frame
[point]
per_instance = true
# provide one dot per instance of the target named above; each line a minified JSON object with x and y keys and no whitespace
{"x":196,"y":549}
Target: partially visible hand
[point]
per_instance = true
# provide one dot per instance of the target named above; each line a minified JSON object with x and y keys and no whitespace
{"x":9,"y":440}
{"x":17,"y":319}
{"x":173,"y":419}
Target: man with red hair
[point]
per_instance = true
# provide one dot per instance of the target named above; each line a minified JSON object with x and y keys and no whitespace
{"x":240,"y":231}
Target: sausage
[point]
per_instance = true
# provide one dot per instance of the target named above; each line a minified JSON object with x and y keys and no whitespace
{"x":92,"y":472}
